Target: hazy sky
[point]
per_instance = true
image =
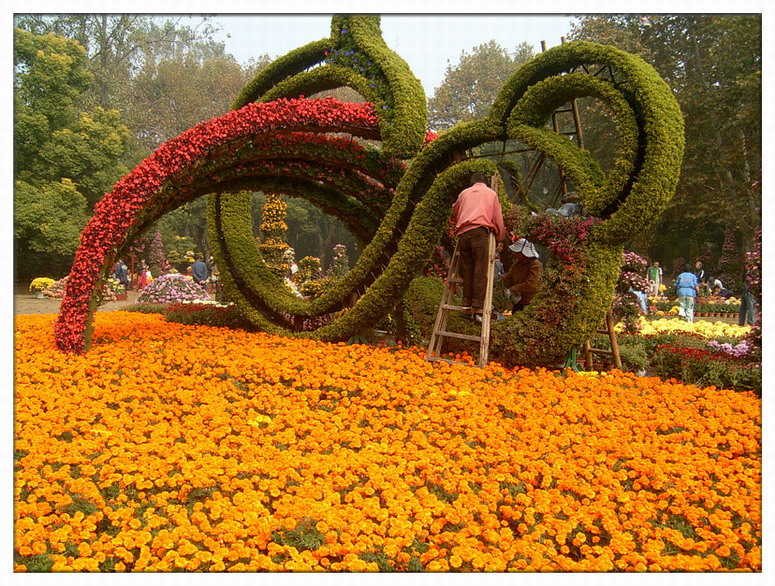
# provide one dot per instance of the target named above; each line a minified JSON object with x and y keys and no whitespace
{"x":426,"y":42}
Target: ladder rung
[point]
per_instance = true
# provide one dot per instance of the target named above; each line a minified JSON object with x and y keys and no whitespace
{"x":454,"y":307}
{"x":460,"y":336}
{"x":454,"y":280}
{"x":599,"y":351}
{"x":564,"y":110}
{"x":447,"y":360}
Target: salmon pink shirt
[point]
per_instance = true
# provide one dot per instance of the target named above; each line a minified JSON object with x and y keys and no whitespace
{"x":478,"y":206}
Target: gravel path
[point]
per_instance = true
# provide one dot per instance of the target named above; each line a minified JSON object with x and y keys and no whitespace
{"x":25,"y":303}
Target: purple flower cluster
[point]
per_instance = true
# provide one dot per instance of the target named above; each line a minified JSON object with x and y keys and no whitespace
{"x":172,"y":288}
{"x":634,"y":262}
{"x":630,"y":275}
{"x":740,"y":350}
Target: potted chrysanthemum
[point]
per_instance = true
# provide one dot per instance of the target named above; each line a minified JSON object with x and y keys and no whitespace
{"x":39,"y":284}
{"x":117,"y":288}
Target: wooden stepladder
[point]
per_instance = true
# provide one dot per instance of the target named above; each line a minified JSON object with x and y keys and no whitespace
{"x":446,"y":305}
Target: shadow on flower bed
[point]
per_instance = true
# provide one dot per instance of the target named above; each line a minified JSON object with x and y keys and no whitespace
{"x":207,"y":315}
{"x":198,"y":313}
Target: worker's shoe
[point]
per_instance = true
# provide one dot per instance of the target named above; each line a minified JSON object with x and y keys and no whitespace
{"x":495,"y":316}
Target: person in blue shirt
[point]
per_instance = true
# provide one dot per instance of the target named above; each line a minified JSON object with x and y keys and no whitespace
{"x":200,"y":271}
{"x":747,"y":301}
{"x":121,"y":274}
{"x":687,"y":287}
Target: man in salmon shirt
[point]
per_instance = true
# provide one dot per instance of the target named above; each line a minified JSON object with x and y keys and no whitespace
{"x":477,"y":212}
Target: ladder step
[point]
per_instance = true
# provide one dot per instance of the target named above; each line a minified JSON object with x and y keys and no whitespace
{"x":460,"y":336}
{"x":599,"y":351}
{"x":447,"y":360}
{"x":453,"y":307}
{"x":454,"y":280}
{"x":564,"y":110}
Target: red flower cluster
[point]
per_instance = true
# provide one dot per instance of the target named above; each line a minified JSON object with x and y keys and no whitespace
{"x":114,"y":214}
{"x":561,"y":235}
{"x":698,"y":354}
{"x":430,"y":136}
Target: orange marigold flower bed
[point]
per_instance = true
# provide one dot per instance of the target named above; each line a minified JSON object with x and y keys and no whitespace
{"x":171,"y":447}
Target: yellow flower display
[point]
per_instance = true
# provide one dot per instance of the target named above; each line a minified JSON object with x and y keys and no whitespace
{"x":40,"y":283}
{"x":703,"y":328}
{"x":171,"y":447}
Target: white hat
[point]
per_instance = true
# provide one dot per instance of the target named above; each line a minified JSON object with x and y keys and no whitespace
{"x":525,"y":247}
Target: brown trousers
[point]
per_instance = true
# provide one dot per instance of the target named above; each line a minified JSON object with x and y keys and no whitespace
{"x":473,"y":247}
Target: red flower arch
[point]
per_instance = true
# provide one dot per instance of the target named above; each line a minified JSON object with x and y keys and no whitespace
{"x":114,"y":216}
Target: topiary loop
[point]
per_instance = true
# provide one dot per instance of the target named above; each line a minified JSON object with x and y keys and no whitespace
{"x":399,"y":213}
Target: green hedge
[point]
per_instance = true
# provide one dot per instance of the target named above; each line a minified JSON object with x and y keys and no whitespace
{"x":534,"y":109}
{"x":573,"y":304}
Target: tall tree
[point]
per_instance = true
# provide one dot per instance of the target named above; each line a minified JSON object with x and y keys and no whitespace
{"x":48,"y":220}
{"x":64,"y":161}
{"x":119,"y":45}
{"x":171,"y":96}
{"x":89,"y":152}
{"x":713,"y":63}
{"x":50,"y":75}
{"x":470,"y":87}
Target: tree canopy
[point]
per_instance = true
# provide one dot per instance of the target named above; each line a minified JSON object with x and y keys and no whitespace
{"x":470,"y":87}
{"x":713,"y":64}
{"x":65,"y":159}
{"x":96,"y":94}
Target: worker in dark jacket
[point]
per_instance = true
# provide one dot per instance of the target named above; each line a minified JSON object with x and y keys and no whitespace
{"x":523,"y":280}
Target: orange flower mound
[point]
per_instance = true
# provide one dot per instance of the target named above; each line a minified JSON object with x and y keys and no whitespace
{"x":171,"y":447}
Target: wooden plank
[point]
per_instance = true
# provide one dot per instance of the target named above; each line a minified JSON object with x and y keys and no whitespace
{"x":608,"y":329}
{"x":609,"y":320}
{"x":484,"y":346}
{"x":601,"y":351}
{"x":460,"y":336}
{"x":446,"y":299}
{"x":587,"y":354}
{"x":437,"y":341}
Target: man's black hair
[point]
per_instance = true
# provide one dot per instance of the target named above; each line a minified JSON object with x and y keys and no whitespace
{"x":478,"y":177}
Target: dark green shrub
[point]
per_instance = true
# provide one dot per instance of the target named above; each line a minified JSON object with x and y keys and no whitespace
{"x":313,"y":288}
{"x":147,"y":307}
{"x":206,"y":315}
{"x":706,"y":368}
